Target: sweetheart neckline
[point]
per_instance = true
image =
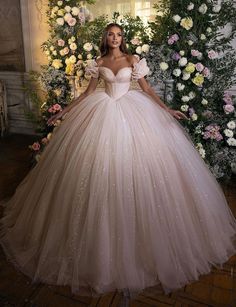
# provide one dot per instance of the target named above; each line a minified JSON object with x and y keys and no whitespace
{"x":115,"y":75}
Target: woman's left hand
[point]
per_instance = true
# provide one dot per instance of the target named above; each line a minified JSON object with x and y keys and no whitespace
{"x":177,"y":114}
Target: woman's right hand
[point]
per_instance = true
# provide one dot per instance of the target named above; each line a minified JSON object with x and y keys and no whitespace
{"x":54,"y":118}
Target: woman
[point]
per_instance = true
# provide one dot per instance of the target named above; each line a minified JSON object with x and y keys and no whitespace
{"x":120,"y":199}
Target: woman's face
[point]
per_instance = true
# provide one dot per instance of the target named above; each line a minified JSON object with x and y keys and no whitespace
{"x":114,"y":37}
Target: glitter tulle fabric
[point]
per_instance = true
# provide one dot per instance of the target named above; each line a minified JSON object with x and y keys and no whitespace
{"x":120,"y":199}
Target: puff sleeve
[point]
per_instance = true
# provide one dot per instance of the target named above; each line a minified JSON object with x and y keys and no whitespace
{"x":140,"y":69}
{"x":92,"y":69}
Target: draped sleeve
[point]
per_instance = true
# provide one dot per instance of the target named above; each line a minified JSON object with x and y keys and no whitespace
{"x":92,"y":69}
{"x":140,"y":69}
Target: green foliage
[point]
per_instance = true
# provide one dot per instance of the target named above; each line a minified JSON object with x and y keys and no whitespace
{"x":191,"y":47}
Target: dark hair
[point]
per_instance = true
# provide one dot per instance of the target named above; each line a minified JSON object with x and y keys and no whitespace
{"x":104,"y":49}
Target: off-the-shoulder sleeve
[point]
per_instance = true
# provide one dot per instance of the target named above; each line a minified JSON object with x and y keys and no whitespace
{"x":140,"y":69}
{"x":92,"y":69}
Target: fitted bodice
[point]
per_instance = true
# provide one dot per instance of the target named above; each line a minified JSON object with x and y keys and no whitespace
{"x":116,"y":85}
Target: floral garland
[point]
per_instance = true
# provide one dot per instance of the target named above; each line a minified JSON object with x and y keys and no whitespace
{"x":73,"y":43}
{"x":201,"y":61}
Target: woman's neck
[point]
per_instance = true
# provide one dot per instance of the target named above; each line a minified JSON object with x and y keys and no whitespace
{"x":115,"y":53}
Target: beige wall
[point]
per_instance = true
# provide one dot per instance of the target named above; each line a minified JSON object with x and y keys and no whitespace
{"x":35,"y":32}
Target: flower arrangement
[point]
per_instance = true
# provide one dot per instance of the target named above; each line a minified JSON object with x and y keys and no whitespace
{"x":73,"y":43}
{"x":201,"y":61}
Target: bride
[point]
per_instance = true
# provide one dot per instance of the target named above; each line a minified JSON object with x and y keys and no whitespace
{"x":120,"y":199}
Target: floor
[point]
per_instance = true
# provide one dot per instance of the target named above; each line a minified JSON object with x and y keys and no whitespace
{"x":215,"y":289}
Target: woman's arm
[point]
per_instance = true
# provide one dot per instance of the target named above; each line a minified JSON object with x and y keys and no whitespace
{"x":145,"y":86}
{"x":89,"y":90}
{"x":150,"y":91}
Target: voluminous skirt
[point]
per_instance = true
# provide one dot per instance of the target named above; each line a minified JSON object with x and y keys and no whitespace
{"x":120,"y":199}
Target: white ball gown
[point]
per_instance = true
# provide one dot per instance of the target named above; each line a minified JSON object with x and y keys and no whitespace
{"x":120,"y":199}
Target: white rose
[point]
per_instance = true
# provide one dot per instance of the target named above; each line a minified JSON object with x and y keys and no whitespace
{"x":88,"y":46}
{"x":216,"y":8}
{"x":164,"y":66}
{"x":202,"y":37}
{"x":190,"y":43}
{"x":209,"y":30}
{"x":231,"y":141}
{"x":59,"y":3}
{"x":190,"y":6}
{"x":72,"y":59}
{"x":202,"y":8}
{"x":67,"y":9}
{"x":54,"y":52}
{"x":73,"y":46}
{"x":51,"y":48}
{"x":229,"y":133}
{"x":57,"y":63}
{"x":180,"y":86}
{"x":183,"y":61}
{"x":191,"y":95}
{"x":89,"y":56}
{"x":62,"y":53}
{"x":177,"y":72}
{"x":176,"y":18}
{"x":75,"y":11}
{"x":199,"y":145}
{"x":181,"y":52}
{"x":145,"y":48}
{"x":80,"y":56}
{"x":60,"y":21}
{"x":231,"y":124}
{"x":138,"y":50}
{"x":60,"y":12}
{"x":47,"y":52}
{"x":199,"y":56}
{"x":204,"y":102}
{"x":194,"y":117}
{"x":202,"y":152}
{"x":185,"y":98}
{"x":67,"y":16}
{"x":184,"y":107}
{"x":55,"y":9}
{"x":186,"y":76}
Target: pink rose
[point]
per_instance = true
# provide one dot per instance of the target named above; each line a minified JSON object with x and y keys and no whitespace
{"x":227,"y":98}
{"x":51,"y":110}
{"x":173,"y":38}
{"x":206,"y":72}
{"x":71,"y":22}
{"x":57,"y":107}
{"x":171,"y":41}
{"x":135,"y":41}
{"x":228,"y":108}
{"x":195,"y":52}
{"x":35,"y":146}
{"x":199,"y":67}
{"x":66,"y":50}
{"x":212,"y":54}
{"x":61,"y":42}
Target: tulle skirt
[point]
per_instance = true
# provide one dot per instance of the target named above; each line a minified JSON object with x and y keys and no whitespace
{"x":120,"y":199}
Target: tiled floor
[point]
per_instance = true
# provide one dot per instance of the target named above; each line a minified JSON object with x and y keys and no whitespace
{"x":215,"y":289}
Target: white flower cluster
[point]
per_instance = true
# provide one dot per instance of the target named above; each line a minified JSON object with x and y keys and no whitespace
{"x":201,"y":150}
{"x":229,"y":133}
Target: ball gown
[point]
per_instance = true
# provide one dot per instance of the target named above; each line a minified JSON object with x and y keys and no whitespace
{"x":120,"y":199}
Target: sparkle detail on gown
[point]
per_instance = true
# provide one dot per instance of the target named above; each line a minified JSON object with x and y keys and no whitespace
{"x":120,"y":199}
